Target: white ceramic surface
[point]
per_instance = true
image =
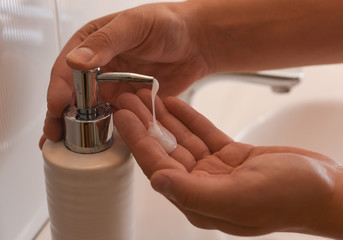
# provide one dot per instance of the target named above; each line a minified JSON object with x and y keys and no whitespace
{"x":315,"y":125}
{"x":28,"y":47}
{"x":232,"y":106}
{"x":310,"y":117}
{"x":238,"y":104}
{"x":31,"y":34}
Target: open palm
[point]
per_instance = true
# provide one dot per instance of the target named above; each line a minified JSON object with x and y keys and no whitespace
{"x":221,"y":184}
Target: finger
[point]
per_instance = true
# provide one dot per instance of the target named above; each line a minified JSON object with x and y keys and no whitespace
{"x":224,"y":226}
{"x":60,"y":92}
{"x":184,"y":137}
{"x":197,"y":123}
{"x":53,"y":127}
{"x":209,"y":195}
{"x":61,"y":85}
{"x":205,"y":222}
{"x":125,"y":31}
{"x":61,"y":88}
{"x":183,"y":156}
{"x":147,"y":151}
{"x":59,"y":96}
{"x":42,"y":141}
{"x":234,"y":154}
{"x":133,"y":103}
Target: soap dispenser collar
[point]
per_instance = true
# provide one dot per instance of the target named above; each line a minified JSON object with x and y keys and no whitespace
{"x":89,"y":124}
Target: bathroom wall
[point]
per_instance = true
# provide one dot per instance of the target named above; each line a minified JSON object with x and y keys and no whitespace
{"x":28,"y":46}
{"x":32,"y":33}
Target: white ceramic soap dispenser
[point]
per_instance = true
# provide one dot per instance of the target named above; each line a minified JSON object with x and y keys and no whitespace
{"x":89,"y":176}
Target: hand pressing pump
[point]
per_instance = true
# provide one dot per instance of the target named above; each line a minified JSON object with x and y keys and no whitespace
{"x":89,"y":175}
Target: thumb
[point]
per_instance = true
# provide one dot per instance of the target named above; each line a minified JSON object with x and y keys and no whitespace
{"x":125,"y":31}
{"x":194,"y":192}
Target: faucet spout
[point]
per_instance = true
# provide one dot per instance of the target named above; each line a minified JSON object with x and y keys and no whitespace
{"x":280,"y":81}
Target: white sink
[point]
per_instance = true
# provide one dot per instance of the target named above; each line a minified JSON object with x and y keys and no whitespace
{"x":311,"y":117}
{"x":308,"y":117}
{"x":316,"y":126}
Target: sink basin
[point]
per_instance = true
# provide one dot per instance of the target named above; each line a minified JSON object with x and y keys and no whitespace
{"x":310,"y":125}
{"x":317,"y":126}
{"x":310,"y":117}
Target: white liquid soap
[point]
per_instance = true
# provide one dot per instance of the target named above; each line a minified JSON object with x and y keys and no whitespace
{"x":166,"y":139}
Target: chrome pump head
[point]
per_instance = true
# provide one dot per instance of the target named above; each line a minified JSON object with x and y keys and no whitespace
{"x":89,"y":124}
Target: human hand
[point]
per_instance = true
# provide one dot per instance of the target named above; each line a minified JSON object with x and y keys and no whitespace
{"x":234,"y":187}
{"x":156,"y":39}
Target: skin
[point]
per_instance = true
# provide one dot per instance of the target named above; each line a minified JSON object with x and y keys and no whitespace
{"x":151,"y":40}
{"x":216,"y":182}
{"x":234,"y":187}
{"x":179,"y":43}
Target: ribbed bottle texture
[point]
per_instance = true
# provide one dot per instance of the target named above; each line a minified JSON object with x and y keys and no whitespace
{"x":90,"y":196}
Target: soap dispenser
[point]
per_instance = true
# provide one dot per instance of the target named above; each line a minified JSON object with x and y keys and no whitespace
{"x":89,"y":175}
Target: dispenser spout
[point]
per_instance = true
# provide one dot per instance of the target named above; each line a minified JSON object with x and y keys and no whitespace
{"x":89,"y":124}
{"x":87,"y":90}
{"x":124,"y":77}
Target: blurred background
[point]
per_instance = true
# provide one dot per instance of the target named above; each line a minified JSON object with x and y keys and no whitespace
{"x":32,"y":32}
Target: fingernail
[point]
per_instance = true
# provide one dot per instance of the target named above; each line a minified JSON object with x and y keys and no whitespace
{"x":82,"y":54}
{"x":42,"y":141}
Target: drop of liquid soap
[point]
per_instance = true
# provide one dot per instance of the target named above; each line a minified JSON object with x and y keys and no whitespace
{"x":161,"y":134}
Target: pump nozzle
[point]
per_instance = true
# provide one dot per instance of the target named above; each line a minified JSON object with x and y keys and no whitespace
{"x":89,"y":124}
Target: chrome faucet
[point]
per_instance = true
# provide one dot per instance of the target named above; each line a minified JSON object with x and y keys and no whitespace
{"x":280,"y":81}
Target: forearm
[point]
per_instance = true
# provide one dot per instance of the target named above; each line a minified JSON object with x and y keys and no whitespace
{"x":250,"y":35}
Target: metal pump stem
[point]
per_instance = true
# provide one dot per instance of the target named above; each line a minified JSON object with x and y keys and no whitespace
{"x":89,"y":124}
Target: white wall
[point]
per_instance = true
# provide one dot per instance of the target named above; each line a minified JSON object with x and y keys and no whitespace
{"x":28,"y":46}
{"x":31,"y":34}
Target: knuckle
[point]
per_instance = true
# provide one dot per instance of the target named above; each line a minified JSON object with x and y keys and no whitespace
{"x":90,"y":27}
{"x":87,"y":30}
{"x":101,"y":38}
